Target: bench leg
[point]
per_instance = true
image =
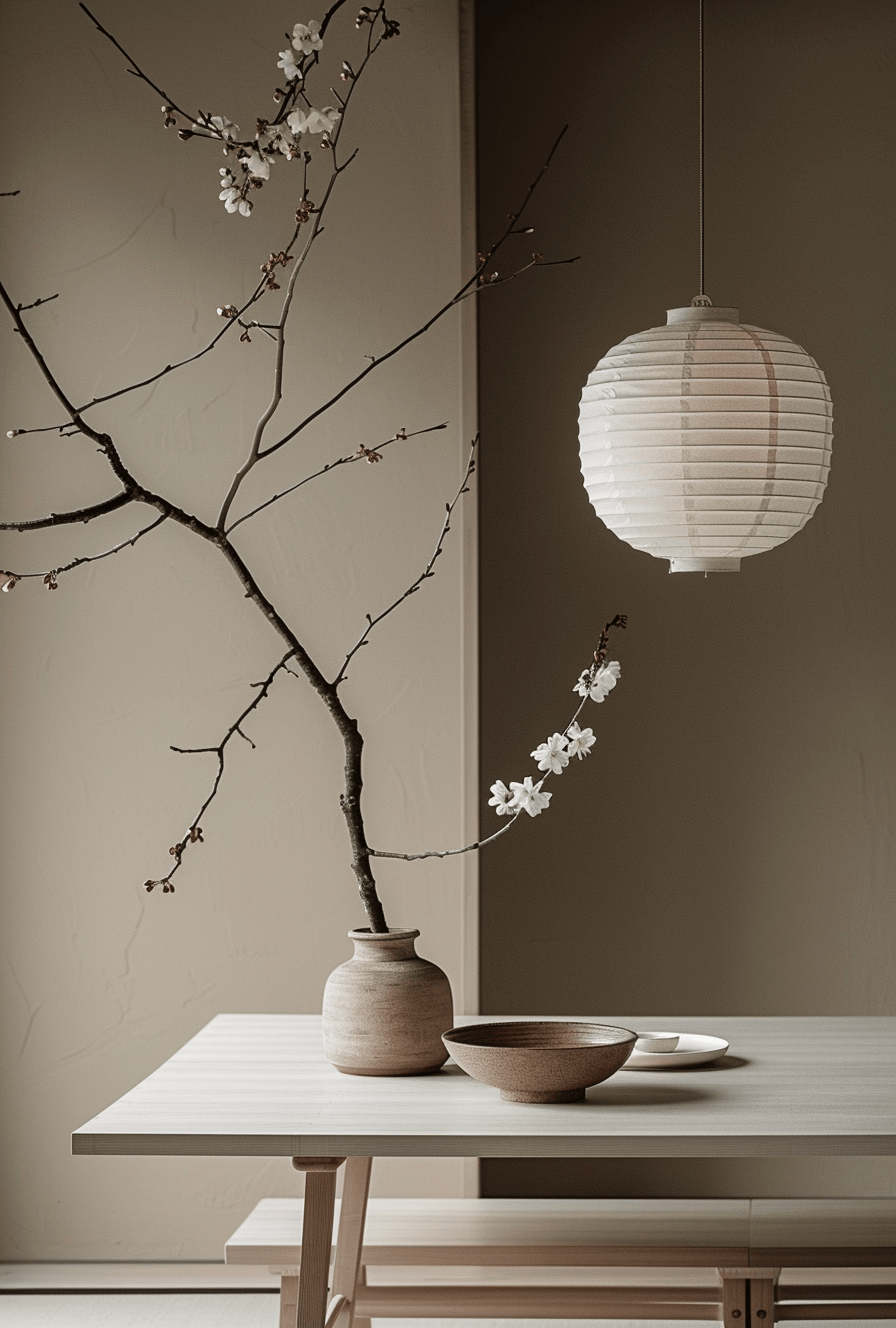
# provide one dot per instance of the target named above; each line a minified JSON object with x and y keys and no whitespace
{"x":289,"y":1301}
{"x":734,"y":1299}
{"x":317,"y":1240}
{"x":762,"y":1302}
{"x":748,"y":1293}
{"x":350,"y":1239}
{"x":359,"y":1320}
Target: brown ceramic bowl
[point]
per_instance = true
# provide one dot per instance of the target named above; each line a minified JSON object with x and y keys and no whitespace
{"x":543,"y":1061}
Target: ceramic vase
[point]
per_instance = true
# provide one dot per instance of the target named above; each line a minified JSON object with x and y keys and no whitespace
{"x":385,"y":1010}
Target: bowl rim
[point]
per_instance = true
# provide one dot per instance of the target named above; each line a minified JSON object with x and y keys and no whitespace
{"x":464,"y":1034}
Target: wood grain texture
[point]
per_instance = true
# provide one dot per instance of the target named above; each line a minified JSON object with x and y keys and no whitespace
{"x":317,"y":1237}
{"x":512,"y":1232}
{"x":734,"y":1302}
{"x":350,"y":1239}
{"x":838,"y":1311}
{"x":289,"y":1301}
{"x":489,"y":1251}
{"x":762,"y":1302}
{"x":822,"y":1222}
{"x":258,"y":1085}
{"x":839,"y":1291}
{"x":499,"y":1302}
{"x":360,"y":1320}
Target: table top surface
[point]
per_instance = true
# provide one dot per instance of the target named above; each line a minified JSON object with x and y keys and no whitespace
{"x":258,"y":1085}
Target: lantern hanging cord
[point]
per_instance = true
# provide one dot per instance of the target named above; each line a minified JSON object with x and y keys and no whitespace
{"x":702,"y":287}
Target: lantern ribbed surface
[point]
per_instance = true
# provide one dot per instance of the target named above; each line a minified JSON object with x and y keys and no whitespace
{"x":706,"y":440}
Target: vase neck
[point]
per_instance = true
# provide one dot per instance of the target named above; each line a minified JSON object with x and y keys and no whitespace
{"x":384,"y":947}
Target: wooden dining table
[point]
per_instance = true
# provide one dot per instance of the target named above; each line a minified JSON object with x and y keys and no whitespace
{"x":252,"y":1085}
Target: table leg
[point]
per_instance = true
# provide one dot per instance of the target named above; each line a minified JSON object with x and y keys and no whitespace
{"x":350,"y":1240}
{"x":734,"y":1296}
{"x":317,"y":1238}
{"x":762,"y":1296}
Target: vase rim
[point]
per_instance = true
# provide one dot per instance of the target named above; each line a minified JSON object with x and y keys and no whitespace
{"x":393,"y":934}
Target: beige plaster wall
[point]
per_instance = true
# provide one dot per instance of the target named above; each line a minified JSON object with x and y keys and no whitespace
{"x":101,"y":982}
{"x":729,"y":848}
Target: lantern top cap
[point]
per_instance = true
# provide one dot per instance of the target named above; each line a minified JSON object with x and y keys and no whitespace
{"x":703,"y":313}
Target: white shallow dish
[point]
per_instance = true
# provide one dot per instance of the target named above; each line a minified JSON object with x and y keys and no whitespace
{"x":692,"y":1049}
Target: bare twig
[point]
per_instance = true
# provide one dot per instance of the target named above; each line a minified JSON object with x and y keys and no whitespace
{"x":45,"y":428}
{"x":468,"y":287}
{"x":353,"y":743}
{"x":424,"y":575}
{"x":448,"y":852}
{"x":40,"y":300}
{"x":255,"y":452}
{"x":332,"y":465}
{"x":15,"y":311}
{"x":194,"y":832}
{"x":84,"y":514}
{"x":277,"y":392}
{"x":188,"y":359}
{"x":262,"y":286}
{"x":135,"y":491}
{"x":10,"y":193}
{"x":137,"y":71}
{"x":50,"y":576}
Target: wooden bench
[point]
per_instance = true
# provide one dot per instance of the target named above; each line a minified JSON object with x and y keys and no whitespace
{"x":743,"y":1262}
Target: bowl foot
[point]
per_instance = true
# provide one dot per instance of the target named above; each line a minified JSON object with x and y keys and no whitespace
{"x":553,"y":1095}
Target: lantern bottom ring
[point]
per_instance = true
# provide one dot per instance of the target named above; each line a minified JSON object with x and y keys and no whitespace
{"x":704,"y":565}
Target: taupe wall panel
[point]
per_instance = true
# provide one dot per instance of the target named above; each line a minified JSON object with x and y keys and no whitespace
{"x":100,"y":983}
{"x":729,"y":845}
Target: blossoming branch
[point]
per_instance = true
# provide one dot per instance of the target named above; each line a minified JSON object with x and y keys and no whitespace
{"x":283,"y":136}
{"x":554,"y":754}
{"x":595,"y":683}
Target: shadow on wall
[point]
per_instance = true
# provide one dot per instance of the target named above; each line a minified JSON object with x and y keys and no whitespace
{"x":726,"y":848}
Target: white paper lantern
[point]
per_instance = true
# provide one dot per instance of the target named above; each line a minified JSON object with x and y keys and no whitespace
{"x":706,"y":440}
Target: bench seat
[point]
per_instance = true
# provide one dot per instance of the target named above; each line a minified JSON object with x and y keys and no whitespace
{"x":744,"y":1262}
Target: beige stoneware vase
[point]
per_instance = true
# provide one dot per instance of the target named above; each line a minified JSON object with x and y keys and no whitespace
{"x":386,"y":1009}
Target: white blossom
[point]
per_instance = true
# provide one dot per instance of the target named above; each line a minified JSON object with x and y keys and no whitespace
{"x":580,"y":741}
{"x":229,"y":195}
{"x":287,"y":63}
{"x":551,"y":754}
{"x":322,"y":121}
{"x":245,"y":207}
{"x":220,"y":126}
{"x":601,"y":684}
{"x":257,"y":164}
{"x":277,"y":138}
{"x":502,"y":799}
{"x":528,"y":797}
{"x":306,"y":37}
{"x":315,"y":122}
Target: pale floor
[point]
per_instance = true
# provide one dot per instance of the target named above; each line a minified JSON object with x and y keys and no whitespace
{"x":226,"y":1310}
